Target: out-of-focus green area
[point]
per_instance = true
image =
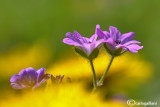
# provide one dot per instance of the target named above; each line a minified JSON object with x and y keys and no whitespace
{"x":26,"y":23}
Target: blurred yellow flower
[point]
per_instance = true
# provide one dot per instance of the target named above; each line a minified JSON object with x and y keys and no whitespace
{"x":68,"y":95}
{"x":127,"y":71}
{"x":24,"y":56}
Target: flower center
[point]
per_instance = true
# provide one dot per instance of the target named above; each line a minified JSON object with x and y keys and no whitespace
{"x":117,"y":42}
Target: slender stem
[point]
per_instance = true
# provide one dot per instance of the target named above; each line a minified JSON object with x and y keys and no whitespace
{"x":105,"y":73}
{"x":94,"y":75}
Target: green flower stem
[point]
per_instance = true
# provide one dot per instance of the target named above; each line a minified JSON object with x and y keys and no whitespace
{"x":94,"y":75}
{"x":105,"y":73}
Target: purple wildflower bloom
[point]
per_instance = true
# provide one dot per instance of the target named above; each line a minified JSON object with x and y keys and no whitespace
{"x":29,"y":78}
{"x":117,"y":42}
{"x":87,"y":45}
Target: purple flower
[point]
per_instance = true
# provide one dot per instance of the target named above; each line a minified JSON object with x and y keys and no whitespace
{"x":117,"y":43}
{"x":86,"y":46}
{"x":29,"y":78}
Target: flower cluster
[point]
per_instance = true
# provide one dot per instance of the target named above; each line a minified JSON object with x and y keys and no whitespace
{"x":114,"y":42}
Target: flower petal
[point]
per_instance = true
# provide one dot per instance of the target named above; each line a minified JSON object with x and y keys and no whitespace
{"x":85,"y":40}
{"x":131,"y":42}
{"x":110,"y":44}
{"x":77,"y":35}
{"x":71,"y":42}
{"x":71,"y":36}
{"x":31,"y":76}
{"x":114,"y":33}
{"x":23,"y":72}
{"x":107,"y":35}
{"x":100,"y":33}
{"x":97,"y":26}
{"x":87,"y":48}
{"x":93,"y":38}
{"x":82,"y":39}
{"x":127,"y":37}
{"x":134,"y":48}
{"x":18,"y":86}
{"x":110,"y":41}
{"x":98,"y":42}
{"x":15,"y":78}
{"x":40,"y":73}
{"x":44,"y":79}
{"x":30,"y":69}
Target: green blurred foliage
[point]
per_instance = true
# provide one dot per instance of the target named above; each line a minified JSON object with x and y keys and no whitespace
{"x":26,"y":21}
